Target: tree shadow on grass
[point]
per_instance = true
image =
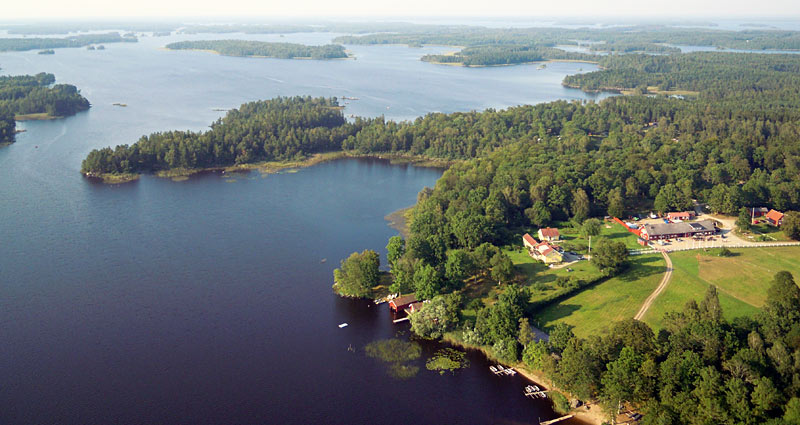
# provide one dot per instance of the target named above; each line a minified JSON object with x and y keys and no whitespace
{"x":554,"y":313}
{"x":642,"y":269}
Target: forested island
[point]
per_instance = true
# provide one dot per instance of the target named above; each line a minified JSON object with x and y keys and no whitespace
{"x":505,"y":55}
{"x":496,"y":46}
{"x":32,"y":43}
{"x":35,"y":97}
{"x":263,"y":49}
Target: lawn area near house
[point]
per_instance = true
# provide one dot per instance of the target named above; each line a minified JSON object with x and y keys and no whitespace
{"x":573,"y":241}
{"x":593,"y":309}
{"x":742,"y":280}
{"x":763,"y":232}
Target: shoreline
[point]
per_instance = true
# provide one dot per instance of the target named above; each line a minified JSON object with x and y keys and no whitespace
{"x":272,"y":167}
{"x":594,"y":416}
{"x":399,"y":220}
{"x":461,"y":64}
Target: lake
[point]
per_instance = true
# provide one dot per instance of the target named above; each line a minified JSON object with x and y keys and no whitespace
{"x":209,"y":300}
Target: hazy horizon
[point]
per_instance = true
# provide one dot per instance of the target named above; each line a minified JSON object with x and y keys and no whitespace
{"x":52,"y":10}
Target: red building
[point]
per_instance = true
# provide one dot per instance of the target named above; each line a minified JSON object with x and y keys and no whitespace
{"x":677,"y":230}
{"x":775,"y":218}
{"x":400,"y":303}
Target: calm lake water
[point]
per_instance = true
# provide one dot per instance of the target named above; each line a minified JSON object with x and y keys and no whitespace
{"x":208,"y":300}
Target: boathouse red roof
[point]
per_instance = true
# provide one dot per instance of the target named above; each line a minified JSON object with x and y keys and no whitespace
{"x":402,"y":302}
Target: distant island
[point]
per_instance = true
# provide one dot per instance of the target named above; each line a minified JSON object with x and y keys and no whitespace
{"x":23,"y":44}
{"x":28,"y":97}
{"x":506,"y":55}
{"x":47,"y":52}
{"x":263,"y":49}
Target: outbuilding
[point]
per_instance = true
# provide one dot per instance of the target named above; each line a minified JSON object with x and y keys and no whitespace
{"x":775,"y":218}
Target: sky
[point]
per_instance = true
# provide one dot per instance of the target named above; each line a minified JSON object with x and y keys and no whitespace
{"x":393,"y":9}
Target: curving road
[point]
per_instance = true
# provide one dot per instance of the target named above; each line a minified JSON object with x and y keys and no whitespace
{"x":664,"y":281}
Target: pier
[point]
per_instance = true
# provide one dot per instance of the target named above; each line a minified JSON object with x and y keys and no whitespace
{"x":563,"y":418}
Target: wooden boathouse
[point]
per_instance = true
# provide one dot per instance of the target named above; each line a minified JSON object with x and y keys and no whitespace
{"x":401,"y":302}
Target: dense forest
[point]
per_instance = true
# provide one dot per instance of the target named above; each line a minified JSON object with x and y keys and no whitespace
{"x":35,"y":94}
{"x":262,"y":49}
{"x":22,"y":44}
{"x":277,"y":129}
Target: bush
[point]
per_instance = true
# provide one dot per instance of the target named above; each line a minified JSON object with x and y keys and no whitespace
{"x":560,"y":402}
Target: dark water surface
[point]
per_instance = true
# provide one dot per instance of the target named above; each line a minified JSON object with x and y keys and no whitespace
{"x":207,"y":301}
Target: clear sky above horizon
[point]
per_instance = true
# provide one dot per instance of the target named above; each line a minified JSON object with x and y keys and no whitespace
{"x":76,"y":9}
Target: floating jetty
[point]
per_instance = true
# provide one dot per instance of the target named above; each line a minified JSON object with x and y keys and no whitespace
{"x":533,"y":391}
{"x":500,"y":370}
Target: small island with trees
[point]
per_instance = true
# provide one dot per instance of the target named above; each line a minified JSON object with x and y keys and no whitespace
{"x":31,"y":97}
{"x":35,"y":43}
{"x":263,"y":49}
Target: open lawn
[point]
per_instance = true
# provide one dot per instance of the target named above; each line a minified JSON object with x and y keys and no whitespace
{"x":763,"y":232}
{"x":595,"y":308}
{"x":573,"y":241}
{"x":742,"y":280}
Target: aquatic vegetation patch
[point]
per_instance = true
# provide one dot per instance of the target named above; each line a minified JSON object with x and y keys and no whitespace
{"x":397,"y":353}
{"x":447,"y":359}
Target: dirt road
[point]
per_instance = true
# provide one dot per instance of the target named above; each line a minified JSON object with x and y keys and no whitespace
{"x":664,"y":281}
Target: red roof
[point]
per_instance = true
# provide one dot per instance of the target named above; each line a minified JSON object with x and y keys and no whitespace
{"x":775,"y":216}
{"x":529,"y":239}
{"x":549,"y":232}
{"x":684,"y":214}
{"x":401,"y":302}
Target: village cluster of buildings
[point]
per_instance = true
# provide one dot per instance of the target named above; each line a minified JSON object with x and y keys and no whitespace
{"x":544,"y":249}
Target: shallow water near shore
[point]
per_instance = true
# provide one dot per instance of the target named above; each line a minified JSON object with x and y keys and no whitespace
{"x":207,"y":300}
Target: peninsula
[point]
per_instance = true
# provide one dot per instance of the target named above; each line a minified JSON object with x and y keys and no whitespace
{"x":30,"y":97}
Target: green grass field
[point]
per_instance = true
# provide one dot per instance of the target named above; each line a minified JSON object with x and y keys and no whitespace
{"x":763,"y":232}
{"x":741,"y":280}
{"x":595,"y":308}
{"x":573,"y":241}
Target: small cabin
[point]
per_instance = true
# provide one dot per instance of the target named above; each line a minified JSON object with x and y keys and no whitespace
{"x":774,"y":217}
{"x":400,"y":303}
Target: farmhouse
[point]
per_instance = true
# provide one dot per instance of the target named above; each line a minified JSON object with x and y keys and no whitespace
{"x":542,"y":251}
{"x":774,"y":218}
{"x":529,"y":241}
{"x":549,"y":234}
{"x":680,"y":216}
{"x":677,"y":230}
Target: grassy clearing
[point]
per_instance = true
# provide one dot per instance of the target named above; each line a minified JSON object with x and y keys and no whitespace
{"x":41,"y":116}
{"x":617,"y":298}
{"x":742,"y":280}
{"x":763,"y":232}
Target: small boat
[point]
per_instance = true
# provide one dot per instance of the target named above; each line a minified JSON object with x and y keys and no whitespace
{"x":493,"y":369}
{"x":323,"y":260}
{"x":343,"y":325}
{"x":500,"y":368}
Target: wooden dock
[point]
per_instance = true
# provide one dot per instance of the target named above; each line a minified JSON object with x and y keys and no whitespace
{"x":402,"y":319}
{"x":563,"y":418}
